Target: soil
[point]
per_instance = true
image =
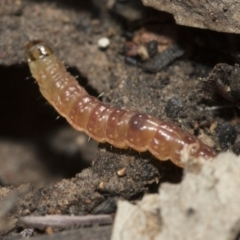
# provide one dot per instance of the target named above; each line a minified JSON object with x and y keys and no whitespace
{"x":48,"y":168}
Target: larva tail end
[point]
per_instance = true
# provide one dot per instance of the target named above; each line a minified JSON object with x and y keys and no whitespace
{"x":37,"y":49}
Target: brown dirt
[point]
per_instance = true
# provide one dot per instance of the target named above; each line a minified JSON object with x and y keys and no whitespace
{"x":73,"y":29}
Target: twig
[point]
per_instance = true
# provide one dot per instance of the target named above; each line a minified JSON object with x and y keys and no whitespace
{"x":42,"y":222}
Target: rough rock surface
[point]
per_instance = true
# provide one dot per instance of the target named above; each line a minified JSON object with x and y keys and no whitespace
{"x":222,"y":16}
{"x":73,"y":29}
{"x":204,"y":206}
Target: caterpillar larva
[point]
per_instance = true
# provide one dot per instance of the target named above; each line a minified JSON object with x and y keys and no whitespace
{"x":104,"y":123}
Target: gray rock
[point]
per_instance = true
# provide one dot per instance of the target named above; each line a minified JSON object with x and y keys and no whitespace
{"x":205,"y":205}
{"x":222,"y":16}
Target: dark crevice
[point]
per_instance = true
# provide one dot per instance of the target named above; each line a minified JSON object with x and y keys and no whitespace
{"x":27,"y":117}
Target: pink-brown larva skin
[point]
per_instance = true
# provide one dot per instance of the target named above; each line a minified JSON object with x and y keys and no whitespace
{"x":105,"y":123}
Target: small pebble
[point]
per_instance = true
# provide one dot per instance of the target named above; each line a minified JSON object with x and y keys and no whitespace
{"x":27,"y":232}
{"x":106,"y":207}
{"x":49,"y":230}
{"x":121,"y":172}
{"x":174,"y":105}
{"x":103,"y":43}
{"x":101,"y":185}
{"x":226,"y":134}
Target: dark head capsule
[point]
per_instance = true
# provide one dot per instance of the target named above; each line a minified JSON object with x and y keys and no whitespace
{"x":37,"y":49}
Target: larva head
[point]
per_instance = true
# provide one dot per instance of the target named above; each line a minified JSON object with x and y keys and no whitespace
{"x":37,"y":49}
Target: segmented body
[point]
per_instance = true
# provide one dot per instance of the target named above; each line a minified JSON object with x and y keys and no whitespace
{"x":105,"y":123}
